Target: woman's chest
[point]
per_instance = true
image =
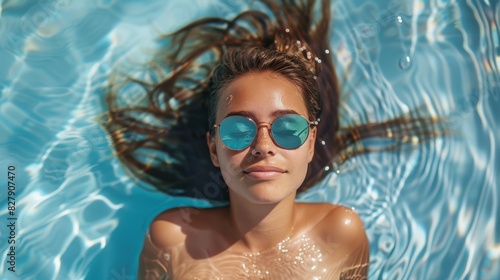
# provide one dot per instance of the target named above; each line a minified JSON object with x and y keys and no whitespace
{"x":297,"y":259}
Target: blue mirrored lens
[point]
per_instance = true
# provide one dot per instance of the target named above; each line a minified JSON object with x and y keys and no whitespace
{"x":290,"y":131}
{"x":237,"y":132}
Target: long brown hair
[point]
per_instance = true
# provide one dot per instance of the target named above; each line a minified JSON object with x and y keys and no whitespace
{"x":162,"y":142}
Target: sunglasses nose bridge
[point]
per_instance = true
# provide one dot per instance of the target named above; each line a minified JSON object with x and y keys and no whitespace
{"x":264,"y":135}
{"x":259,"y":130}
{"x":263,"y":142}
{"x":263,"y":124}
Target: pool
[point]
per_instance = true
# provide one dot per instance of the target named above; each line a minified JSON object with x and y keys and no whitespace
{"x":430,"y":213}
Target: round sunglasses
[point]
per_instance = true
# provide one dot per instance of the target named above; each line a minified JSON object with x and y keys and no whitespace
{"x":288,"y":131}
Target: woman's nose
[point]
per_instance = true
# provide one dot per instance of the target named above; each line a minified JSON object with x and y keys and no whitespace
{"x":263,"y":144}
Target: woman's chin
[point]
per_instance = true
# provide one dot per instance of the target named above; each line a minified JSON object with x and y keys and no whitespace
{"x":265,"y":194}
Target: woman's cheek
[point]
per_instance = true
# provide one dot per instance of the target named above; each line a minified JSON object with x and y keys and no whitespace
{"x":230,"y":168}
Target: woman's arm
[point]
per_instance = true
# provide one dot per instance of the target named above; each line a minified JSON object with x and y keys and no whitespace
{"x":155,"y":261}
{"x":346,"y":237}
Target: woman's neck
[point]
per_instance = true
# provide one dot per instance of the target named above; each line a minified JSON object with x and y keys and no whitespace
{"x":261,"y":226}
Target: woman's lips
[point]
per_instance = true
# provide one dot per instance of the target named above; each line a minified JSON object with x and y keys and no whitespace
{"x":264,"y":172}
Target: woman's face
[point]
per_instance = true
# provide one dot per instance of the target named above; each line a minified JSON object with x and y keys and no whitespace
{"x":263,"y":172}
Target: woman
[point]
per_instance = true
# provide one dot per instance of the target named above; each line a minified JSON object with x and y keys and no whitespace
{"x":268,"y":85}
{"x":262,"y":141}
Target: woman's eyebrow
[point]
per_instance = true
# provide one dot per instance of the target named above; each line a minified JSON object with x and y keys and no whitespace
{"x":241,"y":113}
{"x":251,"y":115}
{"x":283,"y":112}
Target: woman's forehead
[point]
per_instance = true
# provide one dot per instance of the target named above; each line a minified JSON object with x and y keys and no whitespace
{"x":262,"y":95}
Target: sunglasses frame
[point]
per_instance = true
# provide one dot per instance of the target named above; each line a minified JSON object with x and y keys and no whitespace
{"x":269,"y":127}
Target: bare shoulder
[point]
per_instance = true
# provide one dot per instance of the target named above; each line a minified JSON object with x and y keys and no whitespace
{"x":343,"y":232}
{"x":173,"y":226}
{"x":345,"y":218}
{"x":344,"y":224}
{"x":336,"y":224}
{"x":170,"y":227}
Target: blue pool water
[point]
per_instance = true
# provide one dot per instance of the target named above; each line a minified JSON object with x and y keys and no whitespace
{"x":430,"y":213}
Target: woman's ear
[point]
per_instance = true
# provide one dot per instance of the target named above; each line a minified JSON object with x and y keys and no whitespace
{"x":212,"y":149}
{"x":312,"y":141}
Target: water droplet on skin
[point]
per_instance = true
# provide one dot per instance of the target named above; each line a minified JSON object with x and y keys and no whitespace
{"x":404,"y":62}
